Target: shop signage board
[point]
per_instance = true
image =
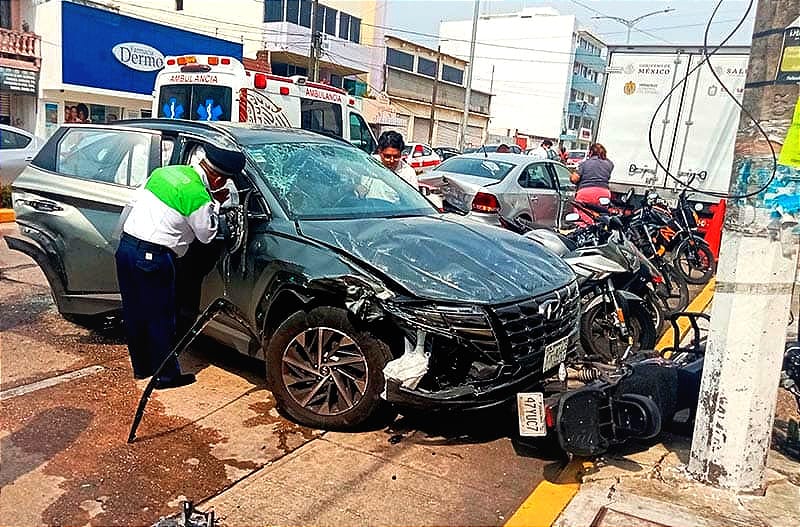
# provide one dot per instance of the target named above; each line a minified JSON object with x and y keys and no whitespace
{"x":17,"y":80}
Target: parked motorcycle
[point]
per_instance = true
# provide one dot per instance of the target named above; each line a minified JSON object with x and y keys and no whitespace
{"x":659,"y":229}
{"x":672,"y":290}
{"x":615,"y":322}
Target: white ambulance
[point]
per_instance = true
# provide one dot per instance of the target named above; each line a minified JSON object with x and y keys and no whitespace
{"x":218,"y":88}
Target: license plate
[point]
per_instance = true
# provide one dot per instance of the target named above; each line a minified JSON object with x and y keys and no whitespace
{"x":530,"y":410}
{"x":555,"y":353}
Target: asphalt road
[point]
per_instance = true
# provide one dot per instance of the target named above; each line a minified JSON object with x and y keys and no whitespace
{"x":68,"y":397}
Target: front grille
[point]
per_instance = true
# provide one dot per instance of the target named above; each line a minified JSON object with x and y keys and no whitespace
{"x":523,"y":330}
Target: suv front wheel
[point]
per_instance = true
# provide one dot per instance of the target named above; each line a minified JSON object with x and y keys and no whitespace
{"x":324,"y":372}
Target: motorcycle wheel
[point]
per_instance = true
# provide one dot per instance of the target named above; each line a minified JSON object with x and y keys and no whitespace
{"x":600,"y":339}
{"x":657,"y":309}
{"x":694,"y":262}
{"x":673,"y":293}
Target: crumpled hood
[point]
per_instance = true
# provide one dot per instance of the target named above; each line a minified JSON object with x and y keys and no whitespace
{"x":447,"y":258}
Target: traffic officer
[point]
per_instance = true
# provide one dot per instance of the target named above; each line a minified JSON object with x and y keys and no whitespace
{"x":177,"y":205}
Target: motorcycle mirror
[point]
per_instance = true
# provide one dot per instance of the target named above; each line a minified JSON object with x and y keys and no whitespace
{"x":628,"y":196}
{"x":604,"y":201}
{"x":572,"y":217}
{"x":698,"y":207}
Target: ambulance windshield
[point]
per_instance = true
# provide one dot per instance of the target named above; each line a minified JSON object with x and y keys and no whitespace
{"x":195,"y":102}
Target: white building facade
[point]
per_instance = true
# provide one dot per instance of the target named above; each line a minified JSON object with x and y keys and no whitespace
{"x":526,"y":60}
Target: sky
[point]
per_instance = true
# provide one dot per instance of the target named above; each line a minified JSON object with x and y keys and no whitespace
{"x":685,"y":25}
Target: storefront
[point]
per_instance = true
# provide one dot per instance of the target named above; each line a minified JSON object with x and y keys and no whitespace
{"x":108,"y":64}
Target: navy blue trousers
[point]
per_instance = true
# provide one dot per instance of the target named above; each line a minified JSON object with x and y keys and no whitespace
{"x":146,"y":276}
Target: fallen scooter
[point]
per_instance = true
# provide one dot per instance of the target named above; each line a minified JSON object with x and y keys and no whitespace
{"x":641,"y":397}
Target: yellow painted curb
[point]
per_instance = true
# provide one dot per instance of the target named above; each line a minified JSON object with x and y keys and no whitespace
{"x":7,"y":216}
{"x":699,"y":304}
{"x":548,"y":500}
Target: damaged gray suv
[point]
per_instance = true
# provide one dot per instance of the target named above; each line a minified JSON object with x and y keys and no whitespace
{"x":361,"y":291}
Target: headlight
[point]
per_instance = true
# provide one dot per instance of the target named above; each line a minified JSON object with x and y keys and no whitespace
{"x":445,"y":320}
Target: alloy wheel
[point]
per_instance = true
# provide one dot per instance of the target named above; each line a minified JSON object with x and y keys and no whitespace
{"x":324,"y":371}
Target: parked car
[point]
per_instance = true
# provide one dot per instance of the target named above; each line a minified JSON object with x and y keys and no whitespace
{"x":336,"y":285}
{"x":511,"y":190}
{"x":420,"y":157}
{"x":512,"y":148}
{"x":17,"y":148}
{"x":446,"y":152}
{"x":575,"y":158}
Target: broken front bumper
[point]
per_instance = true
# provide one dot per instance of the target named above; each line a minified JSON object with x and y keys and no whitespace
{"x":490,"y":353}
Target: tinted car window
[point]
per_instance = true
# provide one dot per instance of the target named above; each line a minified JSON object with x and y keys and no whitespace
{"x":536,"y":176}
{"x":12,"y":140}
{"x":323,"y":181}
{"x":107,"y":156}
{"x":486,"y":168}
{"x":360,"y":134}
{"x":321,"y":116}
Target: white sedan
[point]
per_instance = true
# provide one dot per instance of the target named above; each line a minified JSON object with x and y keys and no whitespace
{"x":17,"y":148}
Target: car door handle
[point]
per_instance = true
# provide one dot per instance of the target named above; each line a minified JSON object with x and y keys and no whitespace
{"x":534,"y":198}
{"x":43,"y":205}
{"x":28,"y":158}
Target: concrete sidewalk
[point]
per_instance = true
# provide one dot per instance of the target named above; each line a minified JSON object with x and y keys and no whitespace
{"x":651,"y":487}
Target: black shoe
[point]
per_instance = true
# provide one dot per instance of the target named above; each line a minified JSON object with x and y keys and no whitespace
{"x":184,"y":379}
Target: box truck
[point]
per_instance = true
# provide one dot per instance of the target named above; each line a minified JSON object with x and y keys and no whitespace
{"x":693,"y":132}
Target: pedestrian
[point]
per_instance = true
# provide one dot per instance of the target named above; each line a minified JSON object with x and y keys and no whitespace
{"x":592,"y":179}
{"x":503,"y":149}
{"x":544,"y":151}
{"x":177,"y":205}
{"x":563,"y":155}
{"x":390,"y":152}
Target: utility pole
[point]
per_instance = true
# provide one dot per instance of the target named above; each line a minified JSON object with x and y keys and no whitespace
{"x":753,"y":293}
{"x":316,"y":44}
{"x":433,"y":97}
{"x":468,"y":92}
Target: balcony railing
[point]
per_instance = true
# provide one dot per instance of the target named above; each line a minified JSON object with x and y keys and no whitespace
{"x":20,"y":45}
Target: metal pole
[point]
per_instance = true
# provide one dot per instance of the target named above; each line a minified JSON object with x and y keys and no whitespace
{"x":314,"y":51}
{"x":753,"y":293}
{"x":433,"y":97}
{"x":465,"y":120}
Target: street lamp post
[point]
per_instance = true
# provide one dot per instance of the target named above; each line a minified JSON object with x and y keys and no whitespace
{"x":631,"y":22}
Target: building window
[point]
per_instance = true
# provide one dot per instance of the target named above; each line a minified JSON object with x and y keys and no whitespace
{"x":451,"y":74}
{"x":426,"y":67}
{"x":330,"y":21}
{"x":336,"y":80}
{"x":273,"y":10}
{"x":293,"y":11}
{"x":5,"y":14}
{"x":178,"y":5}
{"x":288,"y":70}
{"x":344,"y":26}
{"x":588,"y":123}
{"x":319,"y":20}
{"x":355,"y":29}
{"x":305,"y":13}
{"x":398,"y":59}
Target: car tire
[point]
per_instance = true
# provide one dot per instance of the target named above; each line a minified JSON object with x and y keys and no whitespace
{"x":324,"y":394}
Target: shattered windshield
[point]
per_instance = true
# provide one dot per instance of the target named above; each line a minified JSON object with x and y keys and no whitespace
{"x":316,"y":181}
